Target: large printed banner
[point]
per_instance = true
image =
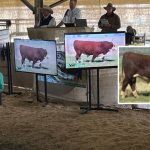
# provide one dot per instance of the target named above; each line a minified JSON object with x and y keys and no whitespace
{"x":35,"y":56}
{"x":66,"y":77}
{"x":92,"y":50}
{"x":133,"y":75}
{"x":4,"y":36}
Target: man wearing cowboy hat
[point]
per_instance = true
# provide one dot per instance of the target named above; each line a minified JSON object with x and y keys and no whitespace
{"x":109,"y":22}
{"x":47,"y":20}
{"x":71,"y":14}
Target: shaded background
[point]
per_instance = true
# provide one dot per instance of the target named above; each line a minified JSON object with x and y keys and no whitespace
{"x":131,"y":12}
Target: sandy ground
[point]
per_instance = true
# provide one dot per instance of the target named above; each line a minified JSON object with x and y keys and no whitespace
{"x":26,"y":125}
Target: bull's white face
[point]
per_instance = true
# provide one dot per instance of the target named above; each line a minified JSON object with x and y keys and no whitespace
{"x":107,"y":46}
{"x":45,"y":53}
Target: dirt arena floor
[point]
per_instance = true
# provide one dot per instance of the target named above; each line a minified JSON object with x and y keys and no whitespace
{"x":27,"y":125}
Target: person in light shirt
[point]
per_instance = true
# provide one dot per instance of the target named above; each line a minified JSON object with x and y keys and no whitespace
{"x":71,"y":14}
{"x":47,"y":20}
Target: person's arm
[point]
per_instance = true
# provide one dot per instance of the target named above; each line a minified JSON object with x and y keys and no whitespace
{"x":60,"y":24}
{"x":99,"y":23}
{"x":117,"y":24}
{"x":63,"y":20}
{"x":52,"y":23}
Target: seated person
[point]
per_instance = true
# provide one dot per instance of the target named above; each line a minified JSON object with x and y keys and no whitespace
{"x":47,"y":20}
{"x":130,"y":34}
{"x":71,"y":14}
{"x":1,"y":87}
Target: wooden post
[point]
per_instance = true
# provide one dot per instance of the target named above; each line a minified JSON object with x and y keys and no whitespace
{"x":38,"y":6}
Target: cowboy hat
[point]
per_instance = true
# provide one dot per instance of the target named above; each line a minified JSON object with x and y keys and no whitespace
{"x":110,"y":5}
{"x":45,"y":7}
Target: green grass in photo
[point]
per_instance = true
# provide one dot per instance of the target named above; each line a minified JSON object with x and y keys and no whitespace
{"x":87,"y":62}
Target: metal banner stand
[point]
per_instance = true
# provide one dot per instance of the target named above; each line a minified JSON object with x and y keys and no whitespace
{"x":85,"y":109}
{"x":8,"y":58}
{"x":37,"y":88}
{"x":45,"y":87}
{"x":9,"y":71}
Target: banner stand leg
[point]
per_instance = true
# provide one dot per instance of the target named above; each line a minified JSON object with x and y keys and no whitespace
{"x":45,"y":86}
{"x":45,"y":90}
{"x":37,"y":88}
{"x":85,"y":109}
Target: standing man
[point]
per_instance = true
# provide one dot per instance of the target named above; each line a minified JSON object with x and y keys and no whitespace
{"x":47,"y":20}
{"x":109,"y":22}
{"x":71,"y":14}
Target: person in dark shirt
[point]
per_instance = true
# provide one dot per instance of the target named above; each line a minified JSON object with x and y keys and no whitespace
{"x":130,"y":34}
{"x":109,"y":22}
{"x":47,"y":20}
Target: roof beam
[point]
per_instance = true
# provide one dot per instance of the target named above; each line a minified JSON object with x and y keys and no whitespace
{"x":28,"y":5}
{"x":57,"y":3}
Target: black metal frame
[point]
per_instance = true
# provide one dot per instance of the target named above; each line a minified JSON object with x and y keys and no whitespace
{"x":45,"y":88}
{"x":89,"y":107}
{"x":9,"y":71}
{"x":8,"y":58}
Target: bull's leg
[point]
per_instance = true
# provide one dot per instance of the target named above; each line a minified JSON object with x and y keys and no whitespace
{"x":33,"y":64}
{"x":78,"y":54}
{"x":103,"y":58}
{"x":133,"y":87}
{"x":124,"y":85}
{"x":22,"y":61}
{"x":40,"y":65}
{"x":94,"y":56}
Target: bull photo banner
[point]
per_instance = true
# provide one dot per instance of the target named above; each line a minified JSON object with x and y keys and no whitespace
{"x":134,"y":75}
{"x":76,"y":78}
{"x":92,"y":50}
{"x":35,"y":56}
